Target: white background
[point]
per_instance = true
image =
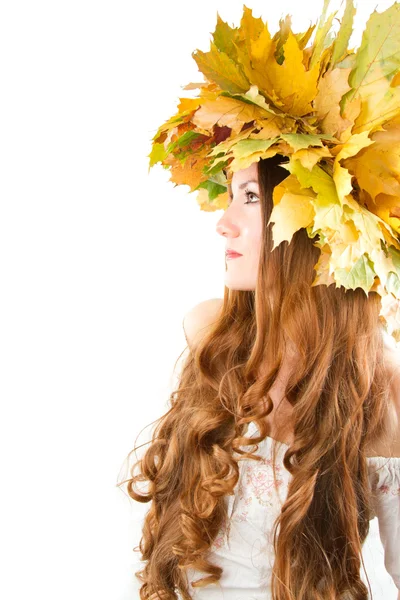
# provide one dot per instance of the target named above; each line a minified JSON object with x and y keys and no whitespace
{"x":99,"y":262}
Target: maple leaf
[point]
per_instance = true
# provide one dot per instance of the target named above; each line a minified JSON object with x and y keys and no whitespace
{"x":327,"y":204}
{"x":268,"y":128}
{"x":322,"y":268}
{"x":390,"y":311}
{"x":254,"y":97}
{"x":254,"y":51}
{"x":361,"y":274}
{"x":220,"y":68}
{"x":203,"y":200}
{"x":292,"y":83}
{"x":300,"y":141}
{"x":377,"y":169}
{"x":225,"y":37}
{"x":292,"y":210}
{"x":226,"y":146}
{"x":246,"y":151}
{"x":344,"y":34}
{"x":331,"y":87}
{"x":321,"y":35}
{"x":351,"y":258}
{"x":341,"y":174}
{"x":228,"y":112}
{"x":188,"y":104}
{"x":190,"y":172}
{"x":376,"y":62}
{"x":387,"y":207}
{"x":309,"y":157}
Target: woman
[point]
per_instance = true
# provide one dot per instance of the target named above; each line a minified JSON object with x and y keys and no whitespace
{"x":283,"y":437}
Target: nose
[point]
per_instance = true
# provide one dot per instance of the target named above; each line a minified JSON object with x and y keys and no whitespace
{"x":226,"y":227}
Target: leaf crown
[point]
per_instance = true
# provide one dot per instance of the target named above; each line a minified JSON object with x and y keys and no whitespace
{"x":333,"y":111}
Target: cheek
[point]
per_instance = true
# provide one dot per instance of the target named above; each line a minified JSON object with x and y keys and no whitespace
{"x":257,"y":236}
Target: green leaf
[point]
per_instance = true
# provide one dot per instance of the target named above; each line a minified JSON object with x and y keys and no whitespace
{"x":214,"y":189}
{"x":317,"y":179}
{"x":219,"y":68}
{"x":395,"y":256}
{"x":246,"y":147}
{"x":298,"y":141}
{"x":171,"y":123}
{"x":184,"y":140}
{"x":157,"y":154}
{"x":224,"y":37}
{"x":393,"y":284}
{"x":360,"y":275}
{"x":215,"y":169}
{"x":252,"y":96}
{"x":328,"y":210}
{"x":281,"y":37}
{"x":379,"y":54}
{"x":344,"y":34}
{"x":321,"y":36}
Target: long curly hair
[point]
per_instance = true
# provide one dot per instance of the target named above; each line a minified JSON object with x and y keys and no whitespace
{"x":339,"y":393}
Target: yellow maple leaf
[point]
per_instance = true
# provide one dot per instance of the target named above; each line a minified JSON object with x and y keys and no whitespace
{"x":269,"y":127}
{"x":188,"y":104}
{"x":322,"y":268}
{"x":367,"y":224}
{"x":388,"y":235}
{"x":292,"y":210}
{"x":377,"y":167}
{"x":350,"y":113}
{"x":220,"y":202}
{"x":331,"y":88}
{"x":309,"y":157}
{"x":245,"y":161}
{"x":341,"y":175}
{"x":253,"y":53}
{"x":289,"y":86}
{"x":293,"y":84}
{"x":327,"y":205}
{"x":226,"y":111}
{"x":388,"y":209}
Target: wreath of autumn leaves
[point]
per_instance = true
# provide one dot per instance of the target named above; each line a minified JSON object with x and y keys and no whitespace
{"x":333,"y":111}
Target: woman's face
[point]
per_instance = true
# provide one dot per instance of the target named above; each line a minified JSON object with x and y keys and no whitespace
{"x":242,"y":228}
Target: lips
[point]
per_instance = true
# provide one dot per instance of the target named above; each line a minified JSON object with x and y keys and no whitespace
{"x":232,"y":253}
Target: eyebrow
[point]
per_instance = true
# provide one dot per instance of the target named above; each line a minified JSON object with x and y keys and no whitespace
{"x":241,"y":186}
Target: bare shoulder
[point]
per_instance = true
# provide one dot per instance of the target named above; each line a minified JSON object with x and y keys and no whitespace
{"x":198,"y":319}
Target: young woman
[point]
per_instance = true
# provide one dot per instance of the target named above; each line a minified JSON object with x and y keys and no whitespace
{"x":282,"y":441}
{"x":309,"y":366}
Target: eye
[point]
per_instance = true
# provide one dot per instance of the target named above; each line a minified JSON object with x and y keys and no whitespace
{"x":248,"y":193}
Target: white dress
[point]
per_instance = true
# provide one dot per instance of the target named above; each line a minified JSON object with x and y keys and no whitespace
{"x":247,"y":556}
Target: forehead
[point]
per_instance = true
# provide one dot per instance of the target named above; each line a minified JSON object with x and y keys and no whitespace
{"x":243,"y":175}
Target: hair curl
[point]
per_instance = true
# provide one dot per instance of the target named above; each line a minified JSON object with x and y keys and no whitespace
{"x":340,"y":397}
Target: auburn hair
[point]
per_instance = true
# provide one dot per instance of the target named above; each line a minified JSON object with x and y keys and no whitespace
{"x":339,"y":393}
